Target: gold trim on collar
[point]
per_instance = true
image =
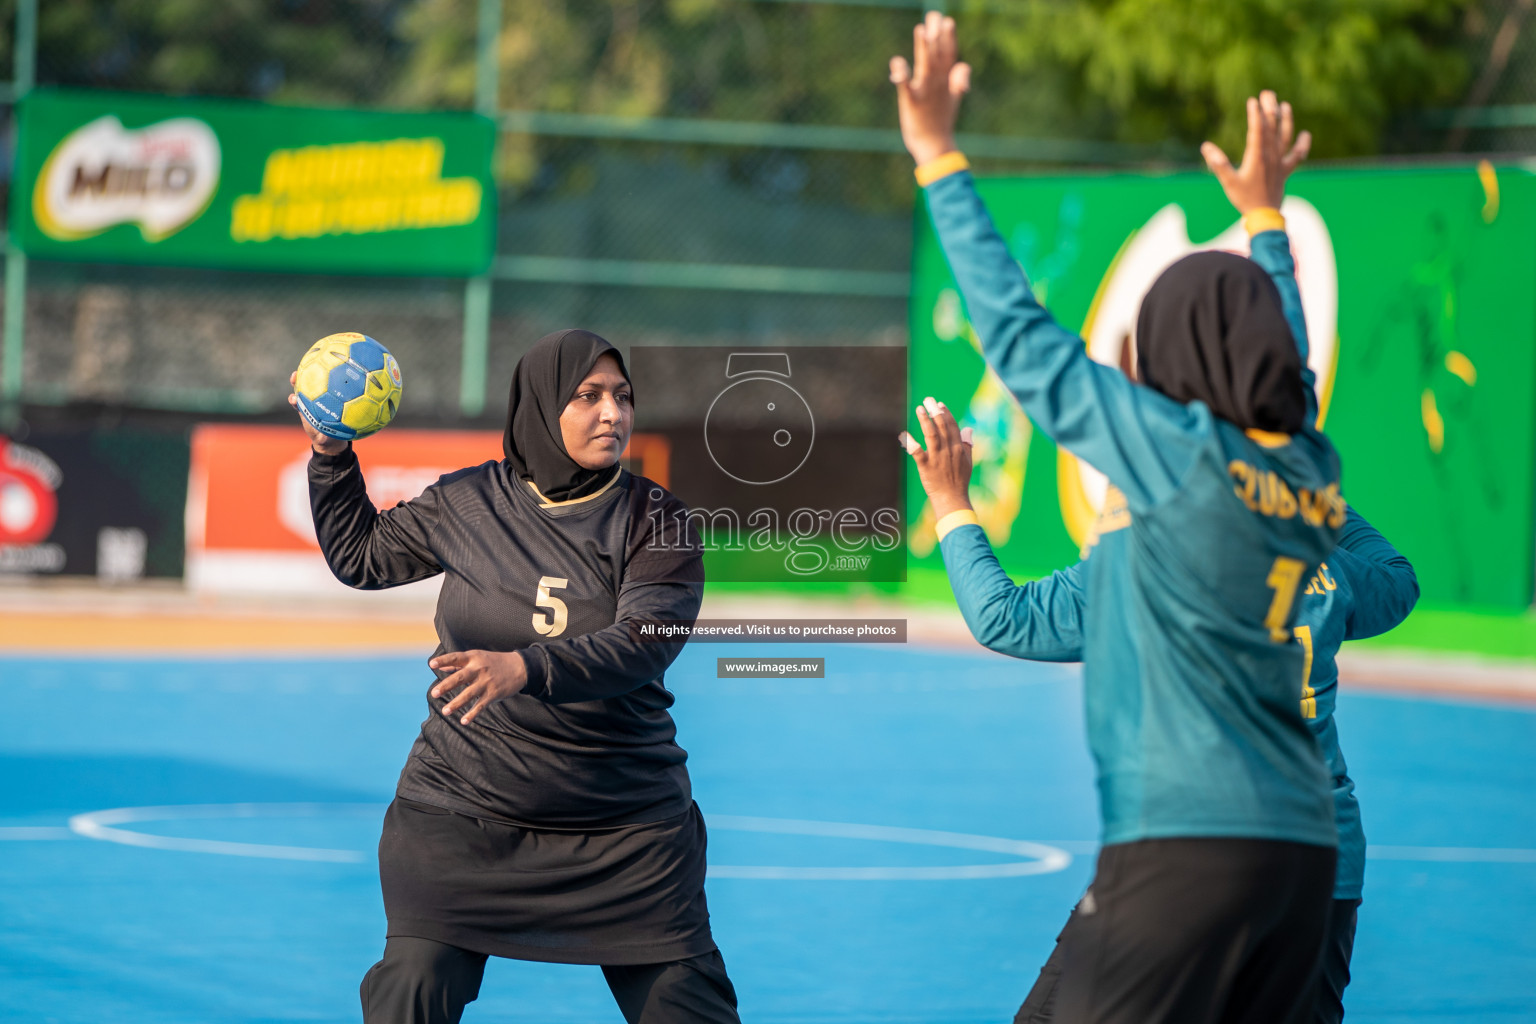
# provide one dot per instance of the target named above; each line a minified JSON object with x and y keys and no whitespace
{"x":1267,"y":438}
{"x":546,"y":503}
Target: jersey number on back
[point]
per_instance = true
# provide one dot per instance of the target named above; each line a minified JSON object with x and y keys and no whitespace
{"x":1284,"y":578}
{"x":1308,"y":695}
{"x":554,"y":624}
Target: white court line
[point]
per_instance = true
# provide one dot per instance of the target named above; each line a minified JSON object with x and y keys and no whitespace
{"x":1042,"y":859}
{"x":20,"y":832}
{"x":1431,"y":854}
{"x":1452,"y":854}
{"x":99,"y":825}
{"x":1037,"y":857}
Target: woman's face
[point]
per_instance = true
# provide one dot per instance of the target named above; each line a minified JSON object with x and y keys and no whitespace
{"x":595,"y":425}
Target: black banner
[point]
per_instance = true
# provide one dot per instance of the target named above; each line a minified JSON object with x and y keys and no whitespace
{"x":103,"y":503}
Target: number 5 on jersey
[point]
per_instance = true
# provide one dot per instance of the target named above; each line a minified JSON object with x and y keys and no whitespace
{"x":554,"y":624}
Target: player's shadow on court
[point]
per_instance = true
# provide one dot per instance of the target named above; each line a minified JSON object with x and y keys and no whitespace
{"x":32,"y":785}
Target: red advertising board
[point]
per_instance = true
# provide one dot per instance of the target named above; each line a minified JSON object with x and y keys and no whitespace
{"x":249,"y":527}
{"x":248,"y":521}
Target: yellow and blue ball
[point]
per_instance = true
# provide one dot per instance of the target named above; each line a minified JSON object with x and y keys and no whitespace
{"x":348,"y":386}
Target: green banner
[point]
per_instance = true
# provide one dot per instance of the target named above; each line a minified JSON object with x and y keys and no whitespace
{"x":1417,"y":290}
{"x":121,"y":178}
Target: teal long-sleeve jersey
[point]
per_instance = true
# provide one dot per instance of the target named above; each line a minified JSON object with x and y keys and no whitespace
{"x":1364,"y":589}
{"x":1207,"y":537}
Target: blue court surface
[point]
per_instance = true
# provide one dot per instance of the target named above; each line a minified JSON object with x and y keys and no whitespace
{"x":897,"y":842}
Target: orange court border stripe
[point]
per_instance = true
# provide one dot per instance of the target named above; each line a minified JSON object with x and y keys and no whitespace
{"x":66,"y":634}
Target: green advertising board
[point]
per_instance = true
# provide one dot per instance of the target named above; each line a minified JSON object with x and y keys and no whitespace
{"x":119,"y":178}
{"x":1417,"y":285}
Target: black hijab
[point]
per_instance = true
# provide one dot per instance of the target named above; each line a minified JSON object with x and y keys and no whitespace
{"x":543,"y":384}
{"x":1212,"y":328}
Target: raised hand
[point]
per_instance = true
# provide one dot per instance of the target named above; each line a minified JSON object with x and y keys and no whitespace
{"x":479,"y":676}
{"x":944,"y":466}
{"x":928,"y":91}
{"x":1272,"y":152}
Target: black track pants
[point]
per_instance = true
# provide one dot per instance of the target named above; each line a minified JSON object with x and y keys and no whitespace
{"x":420,"y":981}
{"x":1224,"y":931}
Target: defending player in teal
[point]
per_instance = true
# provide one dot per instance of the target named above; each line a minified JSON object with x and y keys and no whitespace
{"x":1213,"y":887}
{"x":1365,"y":589}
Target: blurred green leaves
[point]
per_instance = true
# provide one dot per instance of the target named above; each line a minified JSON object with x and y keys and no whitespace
{"x":1138,"y":71}
{"x":1181,"y":69}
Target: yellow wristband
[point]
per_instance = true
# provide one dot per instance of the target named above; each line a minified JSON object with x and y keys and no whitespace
{"x":1265,"y":218}
{"x":952,"y":162}
{"x":956,"y":519}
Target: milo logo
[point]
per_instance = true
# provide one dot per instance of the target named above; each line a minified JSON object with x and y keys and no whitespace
{"x":160,"y":177}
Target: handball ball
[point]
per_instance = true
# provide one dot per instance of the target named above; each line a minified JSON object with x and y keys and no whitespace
{"x":348,"y":386}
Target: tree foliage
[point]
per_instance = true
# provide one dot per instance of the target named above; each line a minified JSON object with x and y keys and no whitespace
{"x":1139,"y":71}
{"x":1181,"y":69}
{"x":288,"y":51}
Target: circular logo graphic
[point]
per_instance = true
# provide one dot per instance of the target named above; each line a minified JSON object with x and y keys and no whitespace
{"x":28,"y":506}
{"x":759,"y":430}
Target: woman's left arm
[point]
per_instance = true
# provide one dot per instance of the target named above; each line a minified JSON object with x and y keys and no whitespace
{"x":613,"y":661}
{"x":660,"y":583}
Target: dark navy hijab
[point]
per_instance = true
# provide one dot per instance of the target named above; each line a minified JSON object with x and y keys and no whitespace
{"x":543,"y":384}
{"x":1212,"y":328}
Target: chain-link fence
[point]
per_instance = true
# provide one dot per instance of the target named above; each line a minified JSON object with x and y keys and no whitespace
{"x":671,"y":171}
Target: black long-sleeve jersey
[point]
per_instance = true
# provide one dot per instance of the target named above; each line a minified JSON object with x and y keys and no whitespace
{"x":589,"y":742}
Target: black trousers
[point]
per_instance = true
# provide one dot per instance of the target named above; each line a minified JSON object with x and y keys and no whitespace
{"x":1200,"y":930}
{"x":420,"y":981}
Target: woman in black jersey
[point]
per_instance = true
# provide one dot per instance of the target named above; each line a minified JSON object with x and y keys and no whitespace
{"x":544,"y":812}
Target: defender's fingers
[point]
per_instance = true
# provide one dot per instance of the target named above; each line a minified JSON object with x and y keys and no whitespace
{"x":1298,"y":152}
{"x":1287,"y":127}
{"x":1269,"y":106}
{"x":293,"y":379}
{"x":1216,"y":160}
{"x":967,"y":436}
{"x":959,"y":79}
{"x":919,"y":55}
{"x":945,"y":42}
{"x":901,"y":71}
{"x":1254,"y":145}
{"x":908,"y":443}
{"x":930,"y":435}
{"x":944,"y":422}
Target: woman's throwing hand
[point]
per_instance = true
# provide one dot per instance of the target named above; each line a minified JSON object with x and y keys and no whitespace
{"x":944,"y":467}
{"x":318,"y":441}
{"x":484,"y":676}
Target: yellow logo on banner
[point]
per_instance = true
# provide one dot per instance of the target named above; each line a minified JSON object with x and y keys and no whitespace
{"x":354,"y":188}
